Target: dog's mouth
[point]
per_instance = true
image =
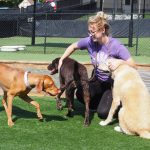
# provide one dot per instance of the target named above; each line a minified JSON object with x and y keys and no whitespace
{"x":52,"y":93}
{"x":53,"y":71}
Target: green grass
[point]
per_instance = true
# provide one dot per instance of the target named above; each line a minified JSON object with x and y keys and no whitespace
{"x":147,"y":15}
{"x":55,"y":47}
{"x":58,"y":132}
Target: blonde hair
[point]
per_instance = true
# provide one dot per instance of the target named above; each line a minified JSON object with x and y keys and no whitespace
{"x":101,"y":21}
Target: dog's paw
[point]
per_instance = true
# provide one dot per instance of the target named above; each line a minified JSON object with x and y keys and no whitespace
{"x":59,"y":108}
{"x":69,"y":114}
{"x":86,"y":122}
{"x":39,"y":115}
{"x":10,"y":123}
{"x":103,"y":123}
{"x":41,"y":119}
{"x":118,"y":129}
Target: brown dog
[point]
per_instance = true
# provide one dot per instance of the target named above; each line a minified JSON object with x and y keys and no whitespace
{"x":132,"y":93}
{"x":16,"y":82}
{"x":72,"y":76}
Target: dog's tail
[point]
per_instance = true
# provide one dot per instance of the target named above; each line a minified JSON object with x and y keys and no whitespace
{"x":144,"y":134}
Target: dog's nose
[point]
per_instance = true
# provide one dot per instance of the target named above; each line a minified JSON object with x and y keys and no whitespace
{"x":48,"y":67}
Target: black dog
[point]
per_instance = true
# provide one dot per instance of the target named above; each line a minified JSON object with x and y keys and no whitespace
{"x":73,"y":75}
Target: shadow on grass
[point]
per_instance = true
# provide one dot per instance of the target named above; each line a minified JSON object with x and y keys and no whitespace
{"x":21,"y":113}
{"x":79,"y":109}
{"x":62,"y":45}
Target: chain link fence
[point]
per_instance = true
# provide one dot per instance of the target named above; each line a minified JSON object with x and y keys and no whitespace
{"x":54,"y":32}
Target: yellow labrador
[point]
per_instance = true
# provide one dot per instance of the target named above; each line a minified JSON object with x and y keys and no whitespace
{"x":132,"y":93}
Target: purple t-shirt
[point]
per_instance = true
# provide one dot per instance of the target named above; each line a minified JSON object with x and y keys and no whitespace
{"x":100,"y":53}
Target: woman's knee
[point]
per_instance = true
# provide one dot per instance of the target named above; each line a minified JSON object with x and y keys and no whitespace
{"x":102,"y":113}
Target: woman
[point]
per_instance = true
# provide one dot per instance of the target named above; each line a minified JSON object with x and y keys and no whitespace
{"x":104,"y":52}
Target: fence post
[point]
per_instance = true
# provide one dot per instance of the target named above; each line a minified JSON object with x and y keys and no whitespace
{"x":100,"y":5}
{"x":137,"y":37}
{"x":114,"y":9}
{"x":144,"y":9}
{"x":33,"y":24}
{"x":18,"y":26}
{"x":45,"y":35}
{"x":131,"y":26}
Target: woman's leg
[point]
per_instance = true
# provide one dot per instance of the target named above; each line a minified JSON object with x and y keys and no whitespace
{"x":105,"y":104}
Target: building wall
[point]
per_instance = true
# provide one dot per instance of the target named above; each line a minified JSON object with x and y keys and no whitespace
{"x":120,"y":5}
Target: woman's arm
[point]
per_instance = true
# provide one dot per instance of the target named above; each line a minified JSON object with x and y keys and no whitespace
{"x":123,"y":55}
{"x":67,"y":53}
{"x":131,"y":63}
{"x":115,"y":63}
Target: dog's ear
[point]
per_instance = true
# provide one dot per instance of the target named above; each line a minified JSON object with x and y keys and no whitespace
{"x":39,"y":86}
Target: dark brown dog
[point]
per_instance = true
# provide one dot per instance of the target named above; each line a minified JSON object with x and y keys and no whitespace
{"x":72,"y":75}
{"x":16,"y":82}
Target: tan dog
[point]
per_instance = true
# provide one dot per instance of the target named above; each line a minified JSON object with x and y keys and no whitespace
{"x":131,"y":92}
{"x":16,"y":82}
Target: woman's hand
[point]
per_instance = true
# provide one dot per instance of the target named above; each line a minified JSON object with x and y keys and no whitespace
{"x":60,"y":64}
{"x":67,"y":53}
{"x":113,"y":63}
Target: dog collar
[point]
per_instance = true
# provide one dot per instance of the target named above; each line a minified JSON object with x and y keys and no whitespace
{"x":26,"y":79}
